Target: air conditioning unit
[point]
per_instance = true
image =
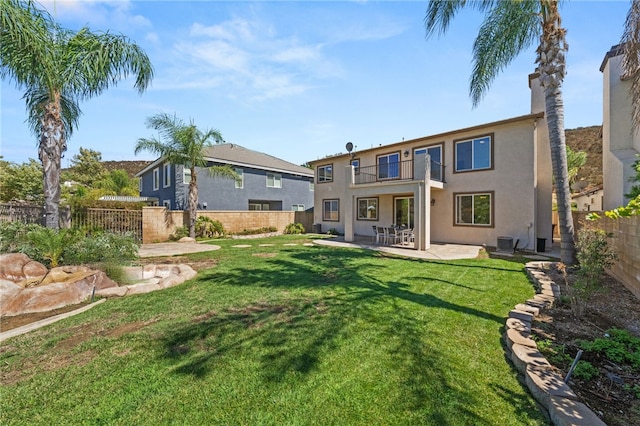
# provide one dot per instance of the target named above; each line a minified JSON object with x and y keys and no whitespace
{"x":505,"y":244}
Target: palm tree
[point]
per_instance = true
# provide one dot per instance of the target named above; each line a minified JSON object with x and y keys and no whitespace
{"x":631,"y":60}
{"x":59,"y":68}
{"x":509,"y":27}
{"x":183,"y":144}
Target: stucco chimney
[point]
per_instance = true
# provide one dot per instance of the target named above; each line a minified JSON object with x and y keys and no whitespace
{"x":537,"y":93}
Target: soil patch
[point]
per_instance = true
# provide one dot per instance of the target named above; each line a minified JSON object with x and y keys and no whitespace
{"x":614,"y":394}
{"x":9,"y":323}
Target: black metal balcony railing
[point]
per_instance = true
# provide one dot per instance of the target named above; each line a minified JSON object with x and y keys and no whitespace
{"x":404,"y":170}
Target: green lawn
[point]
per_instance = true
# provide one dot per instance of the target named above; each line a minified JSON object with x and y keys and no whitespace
{"x":283,"y":335}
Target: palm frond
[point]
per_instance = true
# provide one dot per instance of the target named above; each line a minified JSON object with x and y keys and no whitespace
{"x":441,"y":12}
{"x":508,"y":29}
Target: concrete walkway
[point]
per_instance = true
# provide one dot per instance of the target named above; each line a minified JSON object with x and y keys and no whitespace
{"x":439,"y":251}
{"x":173,"y":249}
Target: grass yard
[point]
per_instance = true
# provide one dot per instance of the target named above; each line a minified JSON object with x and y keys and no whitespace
{"x":283,"y":335}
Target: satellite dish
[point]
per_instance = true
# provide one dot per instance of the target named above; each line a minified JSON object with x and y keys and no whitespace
{"x":349,"y":147}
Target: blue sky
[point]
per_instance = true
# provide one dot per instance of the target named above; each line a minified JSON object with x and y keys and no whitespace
{"x":300,"y":79}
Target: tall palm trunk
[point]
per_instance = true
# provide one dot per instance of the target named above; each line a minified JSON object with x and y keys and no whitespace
{"x":551,"y":65}
{"x":193,"y":202}
{"x":51,"y":147}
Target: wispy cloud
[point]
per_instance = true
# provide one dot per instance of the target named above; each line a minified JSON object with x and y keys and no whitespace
{"x":115,"y":15}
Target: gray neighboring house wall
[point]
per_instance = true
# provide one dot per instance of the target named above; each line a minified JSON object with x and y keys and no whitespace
{"x":268,"y":183}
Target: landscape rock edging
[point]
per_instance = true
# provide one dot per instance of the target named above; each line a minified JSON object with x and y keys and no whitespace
{"x":546,"y":386}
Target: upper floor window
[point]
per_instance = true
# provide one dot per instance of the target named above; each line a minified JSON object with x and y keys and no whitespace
{"x":389,"y":166}
{"x":274,"y":180}
{"x":140,"y":184}
{"x":297,"y":207}
{"x":435,"y":153}
{"x":474,"y":209}
{"x":311,"y":186}
{"x":325,"y":173}
{"x":186,"y":175}
{"x":240,"y":178}
{"x":156,"y":179}
{"x":473,"y":154}
{"x":166,"y":175}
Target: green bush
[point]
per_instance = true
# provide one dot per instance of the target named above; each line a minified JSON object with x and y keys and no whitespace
{"x":13,"y":236}
{"x":67,"y":246}
{"x":263,"y":230}
{"x":102,"y":247}
{"x":180,"y":232}
{"x":207,"y":227}
{"x":294,"y":228}
{"x":585,"y":370}
{"x":618,"y":346}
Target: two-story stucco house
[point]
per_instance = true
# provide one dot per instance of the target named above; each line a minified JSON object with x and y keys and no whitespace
{"x":620,"y":141}
{"x":265,"y":182}
{"x":466,"y":186}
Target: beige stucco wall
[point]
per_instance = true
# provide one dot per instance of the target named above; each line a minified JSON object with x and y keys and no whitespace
{"x":620,"y":143}
{"x":158,"y":223}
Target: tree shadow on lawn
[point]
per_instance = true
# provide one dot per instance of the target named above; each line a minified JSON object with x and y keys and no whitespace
{"x":332,"y":297}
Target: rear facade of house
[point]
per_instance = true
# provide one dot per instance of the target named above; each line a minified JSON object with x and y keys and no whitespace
{"x":469,"y":186}
{"x":264,"y":182}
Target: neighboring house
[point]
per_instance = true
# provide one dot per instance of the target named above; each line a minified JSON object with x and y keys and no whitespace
{"x":265,"y":182}
{"x":589,"y":200}
{"x":469,"y":186}
{"x":620,"y":143}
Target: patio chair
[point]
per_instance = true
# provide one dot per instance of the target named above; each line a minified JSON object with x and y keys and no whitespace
{"x":378,"y":234}
{"x":393,"y":237}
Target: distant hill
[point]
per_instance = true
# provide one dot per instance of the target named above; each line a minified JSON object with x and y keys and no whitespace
{"x":589,"y":140}
{"x":132,"y":167}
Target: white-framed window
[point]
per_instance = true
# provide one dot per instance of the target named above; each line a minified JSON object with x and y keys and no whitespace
{"x":166,"y":175}
{"x":240,"y":178}
{"x":325,"y":173}
{"x":473,"y":154}
{"x":389,"y":166}
{"x":186,"y":175}
{"x":166,"y":203}
{"x":156,"y":179}
{"x":331,"y":210}
{"x":474,"y":209}
{"x":256,"y":205}
{"x":140,"y":184}
{"x":297,"y":207}
{"x":274,"y":180}
{"x":368,"y":208}
{"x":311,"y":186}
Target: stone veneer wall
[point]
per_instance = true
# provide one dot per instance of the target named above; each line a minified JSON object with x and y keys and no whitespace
{"x":158,"y":223}
{"x":625,"y":239}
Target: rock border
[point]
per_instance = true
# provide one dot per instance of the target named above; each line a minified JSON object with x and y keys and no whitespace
{"x":546,"y":386}
{"x":150,"y":278}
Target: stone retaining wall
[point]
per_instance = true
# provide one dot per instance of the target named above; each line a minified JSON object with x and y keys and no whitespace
{"x":546,"y":386}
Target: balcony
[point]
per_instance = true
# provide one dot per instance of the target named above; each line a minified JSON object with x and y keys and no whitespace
{"x":403,"y":170}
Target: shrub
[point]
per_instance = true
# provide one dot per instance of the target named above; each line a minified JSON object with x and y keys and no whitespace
{"x":618,"y":346}
{"x":585,"y":370}
{"x":294,"y":228}
{"x":180,"y":232}
{"x":13,"y":236}
{"x":207,"y":227}
{"x":594,"y":253}
{"x":333,"y":231}
{"x":263,"y":230}
{"x":49,"y":245}
{"x":102,"y":247}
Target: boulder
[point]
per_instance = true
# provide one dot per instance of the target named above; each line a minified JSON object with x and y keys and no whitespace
{"x":187,"y":240}
{"x":11,"y":266}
